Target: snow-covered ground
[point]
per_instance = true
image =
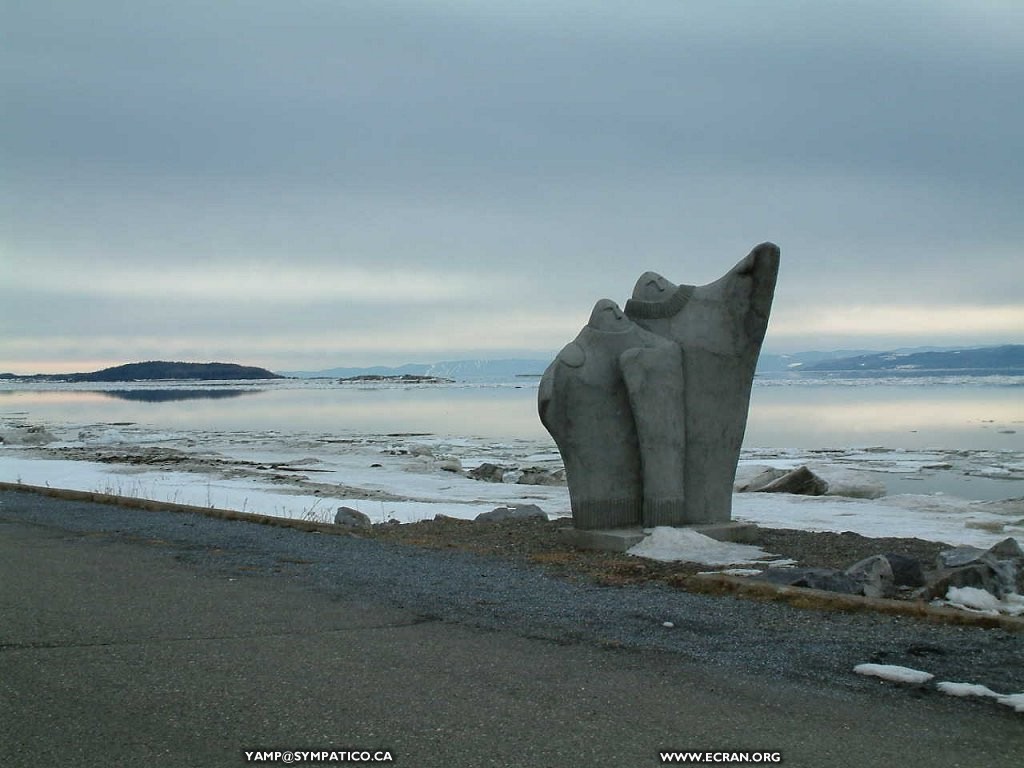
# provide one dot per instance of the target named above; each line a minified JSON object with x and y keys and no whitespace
{"x":302,"y":448}
{"x":410,"y":477}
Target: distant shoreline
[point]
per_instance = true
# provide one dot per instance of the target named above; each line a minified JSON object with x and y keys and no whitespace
{"x":157,"y":370}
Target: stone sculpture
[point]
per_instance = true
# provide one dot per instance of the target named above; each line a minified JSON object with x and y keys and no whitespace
{"x":648,"y":407}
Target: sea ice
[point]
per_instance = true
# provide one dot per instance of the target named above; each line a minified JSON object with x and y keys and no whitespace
{"x":303,"y":473}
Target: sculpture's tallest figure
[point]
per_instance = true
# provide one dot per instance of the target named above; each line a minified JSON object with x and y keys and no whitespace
{"x":720,"y":328}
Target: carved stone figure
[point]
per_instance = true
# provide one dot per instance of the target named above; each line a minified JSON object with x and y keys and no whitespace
{"x":601,"y":399}
{"x":719,"y":328}
{"x":648,"y":408}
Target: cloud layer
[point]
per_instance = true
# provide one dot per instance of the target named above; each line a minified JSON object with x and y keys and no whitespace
{"x":312,"y":184}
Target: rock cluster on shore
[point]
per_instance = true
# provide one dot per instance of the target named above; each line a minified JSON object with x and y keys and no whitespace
{"x":999,"y":570}
{"x":492,"y":473}
{"x":800,"y":481}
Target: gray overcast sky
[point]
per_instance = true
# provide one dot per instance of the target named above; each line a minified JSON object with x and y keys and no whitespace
{"x":307,"y":184}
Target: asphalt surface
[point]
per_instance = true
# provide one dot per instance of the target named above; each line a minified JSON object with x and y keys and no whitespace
{"x":169,"y":639}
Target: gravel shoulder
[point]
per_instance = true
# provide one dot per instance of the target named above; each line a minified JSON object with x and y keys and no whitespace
{"x":516,"y":578}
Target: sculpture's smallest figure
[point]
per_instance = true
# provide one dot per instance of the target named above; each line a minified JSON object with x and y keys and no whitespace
{"x":600,"y":399}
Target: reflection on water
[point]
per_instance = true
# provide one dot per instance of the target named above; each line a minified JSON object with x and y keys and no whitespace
{"x":951,"y":417}
{"x":903,"y":416}
{"x":174,"y":395}
{"x":489,"y":412}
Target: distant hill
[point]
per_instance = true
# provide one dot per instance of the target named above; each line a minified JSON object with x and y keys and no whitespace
{"x":159,"y":370}
{"x":769,"y":363}
{"x":1009,"y":357}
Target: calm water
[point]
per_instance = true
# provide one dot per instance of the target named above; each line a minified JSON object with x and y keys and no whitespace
{"x":951,"y":416}
{"x":965,"y":416}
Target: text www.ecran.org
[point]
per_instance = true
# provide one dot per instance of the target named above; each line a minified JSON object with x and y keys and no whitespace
{"x":720,"y":758}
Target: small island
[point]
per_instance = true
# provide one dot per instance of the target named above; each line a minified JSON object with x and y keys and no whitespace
{"x":405,"y":378}
{"x":157,"y":370}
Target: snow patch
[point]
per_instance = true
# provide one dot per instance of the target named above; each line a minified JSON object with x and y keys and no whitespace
{"x":897,"y":674}
{"x":962,"y":690}
{"x":983,"y":601}
{"x":894,"y":673}
{"x":681,"y":545}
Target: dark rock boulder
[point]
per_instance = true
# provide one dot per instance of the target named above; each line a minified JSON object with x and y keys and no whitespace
{"x":977,"y":575}
{"x":1007,"y":549}
{"x":488,"y":473}
{"x":827,"y":579}
{"x":959,"y":556}
{"x":998,"y":570}
{"x":351,"y":518}
{"x":800,"y":481}
{"x":514,"y":512}
{"x":540,"y":476}
{"x":906,"y":571}
{"x":760,"y":480}
{"x":875,"y":576}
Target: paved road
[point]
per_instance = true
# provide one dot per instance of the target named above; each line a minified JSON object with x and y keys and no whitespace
{"x":117,"y":648}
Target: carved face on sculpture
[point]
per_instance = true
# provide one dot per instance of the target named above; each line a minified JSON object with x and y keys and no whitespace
{"x":653,"y":287}
{"x":608,"y":317}
{"x":752,"y":279}
{"x":725,"y":316}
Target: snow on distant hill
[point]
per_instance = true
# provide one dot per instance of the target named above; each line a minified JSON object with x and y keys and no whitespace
{"x":1009,"y":357}
{"x":923,"y":358}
